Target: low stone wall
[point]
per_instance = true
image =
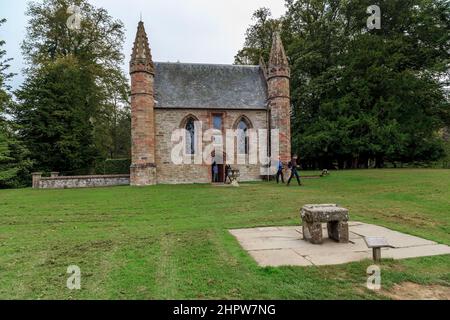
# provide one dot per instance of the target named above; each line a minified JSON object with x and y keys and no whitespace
{"x":67,"y":182}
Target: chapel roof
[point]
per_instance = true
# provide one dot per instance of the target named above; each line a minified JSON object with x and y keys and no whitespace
{"x":209,"y":86}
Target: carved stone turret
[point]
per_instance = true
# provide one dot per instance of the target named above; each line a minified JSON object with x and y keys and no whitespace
{"x":141,"y":58}
{"x":143,"y":167}
{"x":278,"y":77}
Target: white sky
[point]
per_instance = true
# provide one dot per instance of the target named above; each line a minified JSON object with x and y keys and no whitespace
{"x":209,"y":31}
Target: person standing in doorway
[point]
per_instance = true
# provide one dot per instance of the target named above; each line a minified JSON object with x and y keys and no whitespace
{"x":293,"y":166}
{"x":280,"y":171}
{"x":215,"y":169}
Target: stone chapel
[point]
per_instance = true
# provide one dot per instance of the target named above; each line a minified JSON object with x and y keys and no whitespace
{"x":170,"y":96}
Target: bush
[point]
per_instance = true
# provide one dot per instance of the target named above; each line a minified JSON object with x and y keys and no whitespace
{"x":113,"y":166}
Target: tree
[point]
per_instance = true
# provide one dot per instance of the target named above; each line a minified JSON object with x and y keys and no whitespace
{"x":4,"y":77}
{"x":57,"y":105}
{"x":258,"y":38}
{"x":14,"y":164}
{"x":113,"y":123}
{"x":98,"y":41}
{"x":69,"y":123}
{"x":364,"y":97}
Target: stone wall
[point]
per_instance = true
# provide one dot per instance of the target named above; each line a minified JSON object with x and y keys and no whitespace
{"x":63,"y":182}
{"x":168,"y":120}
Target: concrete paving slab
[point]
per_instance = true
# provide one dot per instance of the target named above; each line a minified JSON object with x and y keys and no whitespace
{"x":353,"y":236}
{"x":289,"y":229}
{"x":354,"y":223}
{"x":277,"y":246}
{"x":338,"y":258}
{"x":414,"y":252}
{"x":279,"y":257}
{"x":268,"y":230}
{"x":394,"y":238}
{"x":330,"y":247}
{"x":270,"y":244}
{"x":286,"y":234}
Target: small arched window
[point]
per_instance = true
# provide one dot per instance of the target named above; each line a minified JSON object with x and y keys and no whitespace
{"x":243,"y":138}
{"x":190,"y":136}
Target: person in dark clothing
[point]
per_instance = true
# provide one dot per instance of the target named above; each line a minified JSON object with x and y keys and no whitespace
{"x":280,"y":171}
{"x":227,"y":173}
{"x":215,"y":170}
{"x":293,"y":166}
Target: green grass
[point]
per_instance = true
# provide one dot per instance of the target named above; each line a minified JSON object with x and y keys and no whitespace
{"x":171,"y":242}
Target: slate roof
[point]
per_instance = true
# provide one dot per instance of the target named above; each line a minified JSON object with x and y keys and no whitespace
{"x":208,"y":86}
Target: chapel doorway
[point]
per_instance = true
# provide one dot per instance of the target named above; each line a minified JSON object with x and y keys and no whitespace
{"x":221,"y":174}
{"x":220,"y":163}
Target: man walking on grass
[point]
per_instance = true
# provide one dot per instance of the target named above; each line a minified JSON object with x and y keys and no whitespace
{"x":280,"y":171}
{"x":293,"y":166}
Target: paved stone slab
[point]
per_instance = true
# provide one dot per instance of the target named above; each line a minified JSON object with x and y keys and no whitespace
{"x":338,"y":258}
{"x":279,"y":257}
{"x":394,"y":238}
{"x":268,"y":235}
{"x":353,"y":236}
{"x":330,"y":247}
{"x":278,"y":246}
{"x":414,"y":252}
{"x":354,"y":223}
{"x":272,"y":243}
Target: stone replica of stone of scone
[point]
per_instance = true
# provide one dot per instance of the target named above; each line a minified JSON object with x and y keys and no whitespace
{"x":336,"y":218}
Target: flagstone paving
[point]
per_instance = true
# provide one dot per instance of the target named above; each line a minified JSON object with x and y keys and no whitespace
{"x":284,"y":246}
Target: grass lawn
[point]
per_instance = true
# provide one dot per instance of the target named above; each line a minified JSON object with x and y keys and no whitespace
{"x":171,"y":242}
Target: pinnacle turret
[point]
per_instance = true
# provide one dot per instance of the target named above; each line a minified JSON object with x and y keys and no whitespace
{"x":141,"y":57}
{"x":278,"y":62}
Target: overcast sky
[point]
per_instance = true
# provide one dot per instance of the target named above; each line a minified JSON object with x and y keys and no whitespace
{"x":209,"y":31}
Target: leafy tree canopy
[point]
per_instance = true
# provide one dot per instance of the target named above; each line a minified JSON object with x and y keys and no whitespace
{"x":14,"y":162}
{"x":55,"y":115}
{"x":361,"y":97}
{"x":76,"y":95}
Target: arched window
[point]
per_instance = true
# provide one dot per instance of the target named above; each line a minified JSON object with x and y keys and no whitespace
{"x":190,"y":136}
{"x":243,"y":139}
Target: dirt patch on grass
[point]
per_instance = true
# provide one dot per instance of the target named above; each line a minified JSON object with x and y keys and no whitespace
{"x":415,"y":220}
{"x":414,"y":291}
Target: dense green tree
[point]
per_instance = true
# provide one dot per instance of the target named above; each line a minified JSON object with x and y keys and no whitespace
{"x":98,"y":41}
{"x":14,"y":164}
{"x":361,"y":97}
{"x":112,"y":128}
{"x":55,"y":116}
{"x":5,"y":97}
{"x":66,"y":123}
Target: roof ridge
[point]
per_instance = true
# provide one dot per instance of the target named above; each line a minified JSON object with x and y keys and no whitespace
{"x":208,"y":64}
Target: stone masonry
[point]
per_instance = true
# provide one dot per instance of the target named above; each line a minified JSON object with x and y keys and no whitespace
{"x":335,"y":217}
{"x":65,"y":182}
{"x":143,"y":168}
{"x":169,"y":120}
{"x":278,"y":76}
{"x":165,"y":95}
